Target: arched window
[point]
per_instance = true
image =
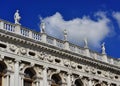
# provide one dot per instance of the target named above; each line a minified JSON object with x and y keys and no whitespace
{"x":78,"y":82}
{"x":2,"y":71}
{"x":29,"y":76}
{"x":56,"y":80}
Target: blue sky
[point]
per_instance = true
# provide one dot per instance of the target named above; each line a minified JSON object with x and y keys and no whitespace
{"x":98,"y":20}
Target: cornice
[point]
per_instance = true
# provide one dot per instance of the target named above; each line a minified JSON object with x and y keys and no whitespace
{"x":18,"y":38}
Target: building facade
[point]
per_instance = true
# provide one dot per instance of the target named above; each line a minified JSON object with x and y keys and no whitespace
{"x":29,"y":58}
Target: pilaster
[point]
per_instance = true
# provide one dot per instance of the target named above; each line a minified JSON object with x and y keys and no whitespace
{"x":17,"y":72}
{"x":45,"y":76}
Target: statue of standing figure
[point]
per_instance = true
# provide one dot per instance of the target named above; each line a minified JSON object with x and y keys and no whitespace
{"x":42,"y":25}
{"x":85,"y":43}
{"x":17,"y":17}
{"x":65,"y":35}
{"x":103,"y":48}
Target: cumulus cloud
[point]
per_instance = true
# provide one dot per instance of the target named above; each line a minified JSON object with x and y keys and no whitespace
{"x":79,"y":28}
{"x":116,"y":15}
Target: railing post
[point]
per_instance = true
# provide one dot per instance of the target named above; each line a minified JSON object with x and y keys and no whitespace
{"x":30,"y":34}
{"x":43,"y":37}
{"x":54,"y":42}
{"x":66,"y":45}
{"x":87,"y":52}
{"x":17,"y":29}
{"x":1,"y":25}
{"x":104,"y":58}
{"x":111,"y":61}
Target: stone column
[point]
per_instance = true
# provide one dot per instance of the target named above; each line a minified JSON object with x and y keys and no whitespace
{"x":45,"y":82}
{"x":12,"y":79}
{"x":37,"y":81}
{"x":69,"y":79}
{"x":7,"y":79}
{"x":21,"y":79}
{"x":17,"y":72}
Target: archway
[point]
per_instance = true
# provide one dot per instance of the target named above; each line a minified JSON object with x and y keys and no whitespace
{"x":78,"y":82}
{"x":3,"y":67}
{"x":29,"y":76}
{"x":56,"y":80}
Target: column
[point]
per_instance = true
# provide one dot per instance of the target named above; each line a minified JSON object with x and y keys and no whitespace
{"x":12,"y":79}
{"x":45,"y":76}
{"x":17,"y":72}
{"x":7,"y":79}
{"x":37,"y":81}
{"x":21,"y":81}
{"x":69,"y":80}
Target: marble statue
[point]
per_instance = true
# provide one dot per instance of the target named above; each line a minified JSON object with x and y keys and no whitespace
{"x":103,"y":48}
{"x":85,"y":43}
{"x":17,"y":17}
{"x":42,"y":25}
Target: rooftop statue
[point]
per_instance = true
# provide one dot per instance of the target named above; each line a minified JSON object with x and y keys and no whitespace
{"x":103,"y":48}
{"x":42,"y":25}
{"x":85,"y":43}
{"x":17,"y":17}
{"x":65,"y":35}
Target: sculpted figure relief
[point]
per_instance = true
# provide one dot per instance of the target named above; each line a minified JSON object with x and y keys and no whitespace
{"x":17,"y":17}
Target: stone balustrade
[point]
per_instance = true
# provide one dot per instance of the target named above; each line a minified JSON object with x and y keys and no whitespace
{"x":62,"y":44}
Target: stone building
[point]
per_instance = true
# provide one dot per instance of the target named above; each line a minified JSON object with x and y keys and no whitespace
{"x":29,"y":58}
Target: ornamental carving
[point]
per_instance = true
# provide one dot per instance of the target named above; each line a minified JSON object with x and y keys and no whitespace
{"x":12,"y":47}
{"x":23,"y":51}
{"x":22,"y":66}
{"x":49,"y":58}
{"x":93,"y":70}
{"x":10,"y":64}
{"x":66,"y":63}
{"x":73,"y":65}
{"x":87,"y":69}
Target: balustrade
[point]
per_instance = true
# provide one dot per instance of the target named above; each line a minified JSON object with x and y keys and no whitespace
{"x":36,"y":36}
{"x":24,"y":32}
{"x":43,"y":37}
{"x":50,"y":40}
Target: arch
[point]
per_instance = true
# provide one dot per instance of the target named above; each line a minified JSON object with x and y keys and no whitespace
{"x":98,"y":85}
{"x":3,"y":68}
{"x":56,"y":80}
{"x":78,"y":82}
{"x":29,"y":76}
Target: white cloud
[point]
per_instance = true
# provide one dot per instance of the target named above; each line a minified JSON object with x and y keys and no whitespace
{"x":79,"y":28}
{"x":116,"y":15}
